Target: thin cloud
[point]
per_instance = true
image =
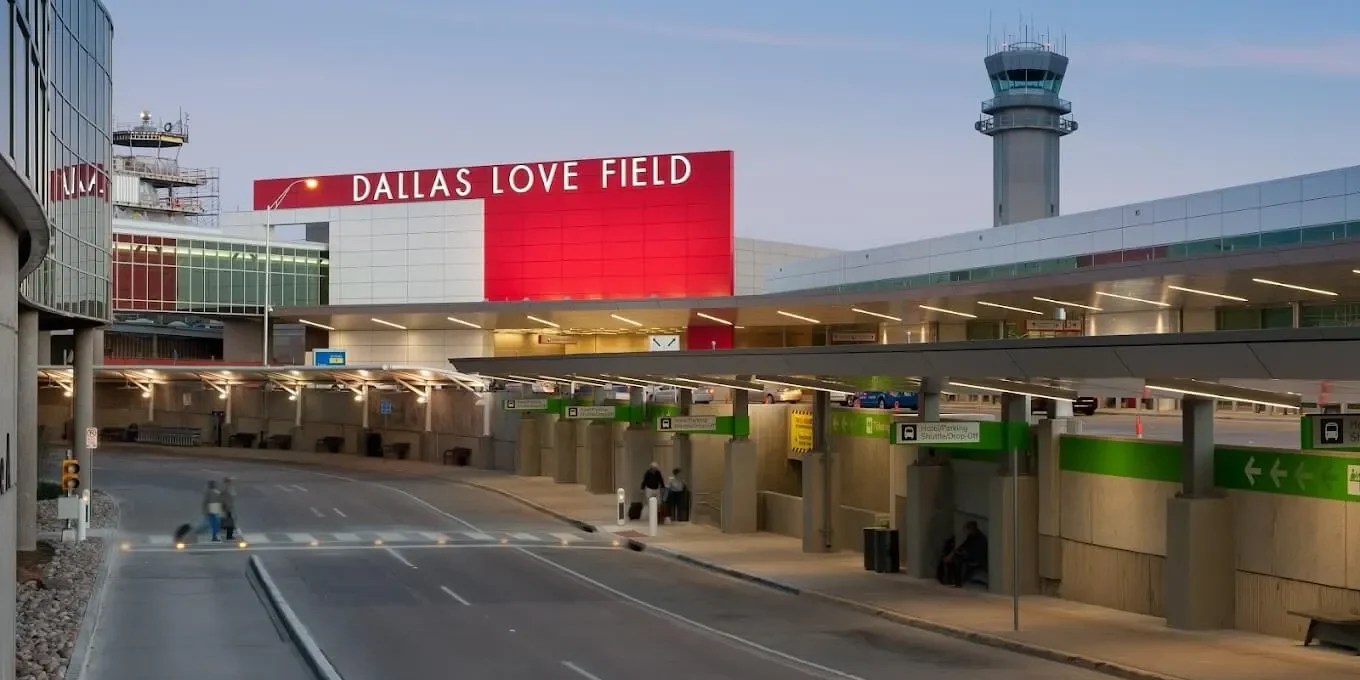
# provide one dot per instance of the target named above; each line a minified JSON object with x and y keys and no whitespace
{"x":1340,"y":57}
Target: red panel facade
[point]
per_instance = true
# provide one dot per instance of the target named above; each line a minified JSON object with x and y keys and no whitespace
{"x":144,"y":275}
{"x":709,"y":337}
{"x":602,"y":228}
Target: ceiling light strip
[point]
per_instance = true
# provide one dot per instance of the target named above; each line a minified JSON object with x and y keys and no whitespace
{"x":710,"y":317}
{"x":1004,"y":390}
{"x":1064,"y":303}
{"x":1008,"y":307}
{"x":545,"y":322}
{"x":1223,"y":296}
{"x":1220,"y":397}
{"x":389,"y":323}
{"x":800,"y":317}
{"x":314,"y":324}
{"x":942,"y":310}
{"x":866,"y":312}
{"x":469,"y":324}
{"x":1130,"y":298}
{"x":815,"y":388}
{"x":1305,"y":289}
{"x":626,"y":320}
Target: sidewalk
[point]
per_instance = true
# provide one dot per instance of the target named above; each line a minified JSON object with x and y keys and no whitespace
{"x":1118,"y":643}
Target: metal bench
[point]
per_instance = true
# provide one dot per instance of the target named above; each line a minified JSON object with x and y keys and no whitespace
{"x":1341,"y":629}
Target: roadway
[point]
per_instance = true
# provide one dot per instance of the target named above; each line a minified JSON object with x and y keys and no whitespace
{"x":419,"y":578}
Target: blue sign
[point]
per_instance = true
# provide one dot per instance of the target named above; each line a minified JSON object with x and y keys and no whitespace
{"x":385,"y":407}
{"x":328,"y":357}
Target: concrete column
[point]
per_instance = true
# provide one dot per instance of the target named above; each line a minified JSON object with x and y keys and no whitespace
{"x":821,"y":483}
{"x":638,"y":453}
{"x":1200,"y":567}
{"x":429,"y":408}
{"x":899,"y":457}
{"x":547,"y":444}
{"x":150,"y":398}
{"x":1049,"y":476}
{"x":26,"y":435}
{"x":740,"y":497}
{"x":599,"y":452}
{"x":529,"y":457}
{"x":83,"y":387}
{"x":1013,"y":513}
{"x":682,"y":446}
{"x":564,"y":451}
{"x":929,"y":399}
{"x":45,"y":349}
{"x":929,"y":519}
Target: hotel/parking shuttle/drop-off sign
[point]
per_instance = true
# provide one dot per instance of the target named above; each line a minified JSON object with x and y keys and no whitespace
{"x":590,"y":412}
{"x":1336,"y":430}
{"x":687,"y":424}
{"x":957,"y":432}
{"x":525,"y":404}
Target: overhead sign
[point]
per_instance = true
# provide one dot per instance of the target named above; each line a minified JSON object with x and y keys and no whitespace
{"x":800,"y":431}
{"x":849,"y":337}
{"x":1053,"y":325}
{"x":1336,"y":430}
{"x":91,"y":438}
{"x":955,"y":432}
{"x":1295,"y":474}
{"x":557,"y":340}
{"x":663,"y":343}
{"x":525,"y":404}
{"x":328,"y":357}
{"x":385,"y":407}
{"x":687,"y":423}
{"x":589,"y":412}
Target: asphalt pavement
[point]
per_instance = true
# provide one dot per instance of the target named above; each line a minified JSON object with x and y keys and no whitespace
{"x":567,"y":609}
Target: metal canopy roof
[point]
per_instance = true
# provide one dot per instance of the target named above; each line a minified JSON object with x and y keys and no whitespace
{"x":1221,"y":280}
{"x":353,"y":376}
{"x":1295,"y":354}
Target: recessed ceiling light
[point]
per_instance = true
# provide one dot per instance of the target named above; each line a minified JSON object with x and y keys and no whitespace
{"x":942,"y":310}
{"x":1013,"y":309}
{"x":545,"y":322}
{"x":710,"y":317}
{"x":1305,"y":289}
{"x":625,"y":320}
{"x":791,"y":315}
{"x":889,"y":317}
{"x":1130,"y":298}
{"x":1183,"y":289}
{"x":314,"y":324}
{"x":389,"y":323}
{"x":469,"y":324}
{"x":1064,"y":303}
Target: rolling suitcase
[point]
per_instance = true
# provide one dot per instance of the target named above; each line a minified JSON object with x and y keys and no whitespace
{"x":635,"y":511}
{"x":183,"y":533}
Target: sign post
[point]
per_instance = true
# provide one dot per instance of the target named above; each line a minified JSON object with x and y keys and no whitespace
{"x":91,"y":438}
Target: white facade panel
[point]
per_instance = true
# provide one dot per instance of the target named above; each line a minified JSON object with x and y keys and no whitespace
{"x":1289,"y":203}
{"x":421,"y":348}
{"x":754,"y":259}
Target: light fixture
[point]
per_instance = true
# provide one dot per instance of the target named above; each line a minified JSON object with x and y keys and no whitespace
{"x":469,"y":324}
{"x":389,"y":323}
{"x":310,"y":183}
{"x":1007,"y":389}
{"x":545,"y":322}
{"x":625,"y":320}
{"x":1183,"y":289}
{"x":709,"y":382}
{"x":358,"y":397}
{"x":1013,"y":309}
{"x":1064,"y":303}
{"x":889,"y":317}
{"x":146,"y":394}
{"x":420,"y":400}
{"x":314,"y":324}
{"x":1305,"y":289}
{"x":942,"y":310}
{"x":66,"y":393}
{"x":1130,"y":298}
{"x":818,"y":385}
{"x":222,"y":396}
{"x":710,"y":317}
{"x":292,"y":397}
{"x":294,"y":372}
{"x":791,"y":315}
{"x":1220,"y":397}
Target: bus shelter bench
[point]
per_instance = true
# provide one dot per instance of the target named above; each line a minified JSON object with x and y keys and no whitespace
{"x":1341,"y":629}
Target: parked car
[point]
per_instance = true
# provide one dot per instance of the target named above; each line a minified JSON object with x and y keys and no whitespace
{"x":671,"y":395}
{"x":1082,"y":406}
{"x":779,"y":394}
{"x":883,"y":399}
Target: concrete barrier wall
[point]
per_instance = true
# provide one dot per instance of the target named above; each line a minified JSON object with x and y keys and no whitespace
{"x":1293,"y":551}
{"x":783,"y":514}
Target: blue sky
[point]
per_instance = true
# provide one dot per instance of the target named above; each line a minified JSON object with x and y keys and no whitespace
{"x":851,"y":121}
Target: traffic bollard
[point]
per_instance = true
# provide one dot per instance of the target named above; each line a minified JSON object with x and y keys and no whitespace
{"x":651,"y":515}
{"x":623,"y":507}
{"x":83,"y":517}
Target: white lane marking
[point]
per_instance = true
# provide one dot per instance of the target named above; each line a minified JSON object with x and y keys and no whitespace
{"x":806,"y":667}
{"x":477,"y":535}
{"x":339,"y":512}
{"x":347,"y":538}
{"x":455,"y":596}
{"x":318,"y":513}
{"x":300,"y":538}
{"x":434,"y":536}
{"x":325,"y":547}
{"x":580,"y":671}
{"x":255,"y":538}
{"x":525,"y":537}
{"x":283,"y":488}
{"x":412,"y":497}
{"x":215,"y":472}
{"x":161,"y":540}
{"x":299,"y":487}
{"x":392,"y":536}
{"x":565,"y":537}
{"x":399,"y":557}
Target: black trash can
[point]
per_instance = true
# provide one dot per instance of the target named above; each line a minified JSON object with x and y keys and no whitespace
{"x":373,"y":446}
{"x":887,"y":559}
{"x":871,"y":548}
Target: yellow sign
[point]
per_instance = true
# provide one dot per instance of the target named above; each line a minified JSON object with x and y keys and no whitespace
{"x":800,"y":431}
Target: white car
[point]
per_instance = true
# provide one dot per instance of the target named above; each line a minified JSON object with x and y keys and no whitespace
{"x":778,"y":394}
{"x":671,"y":395}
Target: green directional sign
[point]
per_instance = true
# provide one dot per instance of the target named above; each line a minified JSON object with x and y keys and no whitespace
{"x":853,"y":422}
{"x":1294,"y":474}
{"x":527,"y":404}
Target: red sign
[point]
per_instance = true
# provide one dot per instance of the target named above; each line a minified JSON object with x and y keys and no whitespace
{"x":78,"y":181}
{"x":599,"y":228}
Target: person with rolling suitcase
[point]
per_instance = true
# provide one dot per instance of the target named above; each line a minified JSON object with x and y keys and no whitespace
{"x":229,"y":507}
{"x":212,"y":512}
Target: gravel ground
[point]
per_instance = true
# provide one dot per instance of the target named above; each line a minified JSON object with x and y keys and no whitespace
{"x":50,"y":609}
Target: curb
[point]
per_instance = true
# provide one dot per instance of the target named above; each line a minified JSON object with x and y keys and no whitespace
{"x":316,"y":659}
{"x":583,"y":526}
{"x":1076,"y":660}
{"x":94,"y":606}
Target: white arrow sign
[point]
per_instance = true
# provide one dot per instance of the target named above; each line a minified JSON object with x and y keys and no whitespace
{"x":1276,"y":473}
{"x":1301,"y":476}
{"x":1252,"y":471}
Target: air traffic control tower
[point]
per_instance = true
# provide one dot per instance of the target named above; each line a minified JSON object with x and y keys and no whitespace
{"x":1025,"y":120}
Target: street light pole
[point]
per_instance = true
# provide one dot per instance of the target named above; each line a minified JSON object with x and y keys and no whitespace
{"x":308,"y":183}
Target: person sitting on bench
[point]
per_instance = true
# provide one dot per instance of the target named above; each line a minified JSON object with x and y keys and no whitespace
{"x":962,"y":559}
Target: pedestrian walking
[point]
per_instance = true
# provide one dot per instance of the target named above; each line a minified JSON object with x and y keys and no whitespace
{"x":212,"y":511}
{"x":229,"y":507}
